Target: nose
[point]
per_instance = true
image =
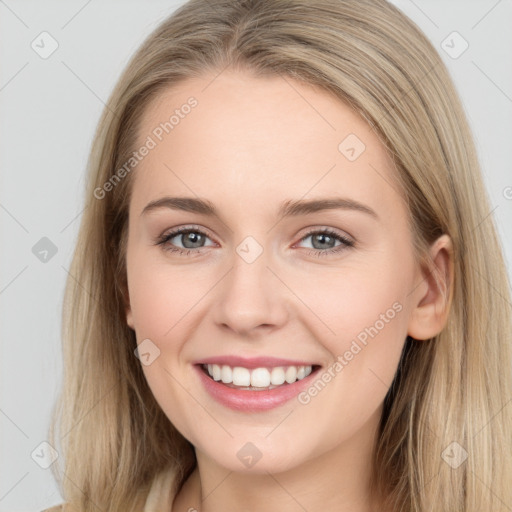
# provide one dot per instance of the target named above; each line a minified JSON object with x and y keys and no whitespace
{"x":251,"y":299}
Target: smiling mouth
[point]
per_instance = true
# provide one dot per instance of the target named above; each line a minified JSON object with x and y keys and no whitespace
{"x":257,"y":379}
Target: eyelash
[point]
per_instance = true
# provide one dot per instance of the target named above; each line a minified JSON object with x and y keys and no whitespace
{"x":345,"y":242}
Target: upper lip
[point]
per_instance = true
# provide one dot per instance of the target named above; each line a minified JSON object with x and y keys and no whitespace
{"x":253,"y":362}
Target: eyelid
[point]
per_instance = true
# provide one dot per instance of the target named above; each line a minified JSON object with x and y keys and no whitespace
{"x":328,"y":229}
{"x":311,"y":230}
{"x":174,"y":232}
{"x":186,"y":228}
{"x":346,"y":242}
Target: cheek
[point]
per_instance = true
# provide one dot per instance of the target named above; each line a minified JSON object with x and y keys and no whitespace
{"x":160,"y":300}
{"x":351,"y":301}
{"x":370,"y":330}
{"x":365,"y":311}
{"x":159,"y":296}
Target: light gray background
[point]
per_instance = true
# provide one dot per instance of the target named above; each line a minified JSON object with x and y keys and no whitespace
{"x":50,"y":108}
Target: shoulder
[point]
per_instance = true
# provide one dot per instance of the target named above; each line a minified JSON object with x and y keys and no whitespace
{"x":163,"y":490}
{"x":161,"y":494}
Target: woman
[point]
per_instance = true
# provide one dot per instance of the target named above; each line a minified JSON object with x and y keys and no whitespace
{"x":247,"y":372}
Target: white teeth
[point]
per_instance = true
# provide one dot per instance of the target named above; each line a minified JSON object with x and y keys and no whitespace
{"x":216,"y":372}
{"x":226,"y":374}
{"x":241,"y":376}
{"x":277,"y":376}
{"x":291,"y":374}
{"x":258,"y":377}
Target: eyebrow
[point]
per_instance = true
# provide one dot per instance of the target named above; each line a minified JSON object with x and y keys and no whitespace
{"x":289,"y":208}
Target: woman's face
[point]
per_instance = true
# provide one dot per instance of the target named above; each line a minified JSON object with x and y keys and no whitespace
{"x":270,"y":282}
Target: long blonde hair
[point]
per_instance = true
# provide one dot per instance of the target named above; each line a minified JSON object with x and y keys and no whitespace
{"x":454,"y":388}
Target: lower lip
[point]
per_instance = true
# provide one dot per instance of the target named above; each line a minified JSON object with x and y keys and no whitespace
{"x":252,"y":401}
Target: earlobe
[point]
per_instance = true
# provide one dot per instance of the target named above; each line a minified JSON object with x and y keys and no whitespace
{"x":127,"y":306}
{"x":129,"y":318}
{"x":433,"y":298}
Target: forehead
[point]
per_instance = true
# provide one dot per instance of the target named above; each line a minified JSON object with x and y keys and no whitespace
{"x":234,"y":135}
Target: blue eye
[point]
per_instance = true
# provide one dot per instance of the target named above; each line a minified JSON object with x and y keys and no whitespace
{"x":325,"y":236}
{"x":199,"y":236}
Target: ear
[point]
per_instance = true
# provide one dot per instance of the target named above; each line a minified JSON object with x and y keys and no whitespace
{"x":127,"y":306}
{"x":129,"y":317}
{"x":432,"y":298}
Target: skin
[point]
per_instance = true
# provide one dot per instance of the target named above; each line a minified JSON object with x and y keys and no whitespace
{"x":250,"y":144}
